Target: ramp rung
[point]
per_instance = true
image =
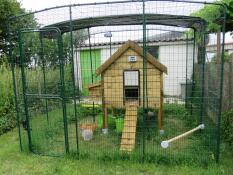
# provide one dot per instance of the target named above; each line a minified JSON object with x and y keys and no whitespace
{"x":126,"y":149}
{"x":128,"y":146}
{"x":130,"y":122}
{"x":128,"y":135}
{"x":127,"y":141}
{"x":129,"y":130}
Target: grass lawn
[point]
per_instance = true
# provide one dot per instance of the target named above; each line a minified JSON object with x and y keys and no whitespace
{"x":48,"y":137}
{"x":14,"y":162}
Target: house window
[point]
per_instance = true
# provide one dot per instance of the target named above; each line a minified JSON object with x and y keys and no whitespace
{"x":154,"y":51}
{"x":131,"y":85}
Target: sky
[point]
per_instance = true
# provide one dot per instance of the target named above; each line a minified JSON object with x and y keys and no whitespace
{"x":41,"y":4}
{"x":34,"y":5}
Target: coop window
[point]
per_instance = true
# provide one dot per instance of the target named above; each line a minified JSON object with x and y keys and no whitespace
{"x":131,"y":93}
{"x":131,"y":78}
{"x":131,"y":84}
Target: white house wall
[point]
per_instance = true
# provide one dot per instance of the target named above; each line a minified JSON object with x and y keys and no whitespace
{"x":77,"y":69}
{"x":174,"y":57}
{"x":105,"y":53}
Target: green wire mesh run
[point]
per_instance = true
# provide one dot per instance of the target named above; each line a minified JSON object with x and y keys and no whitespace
{"x":113,"y":80}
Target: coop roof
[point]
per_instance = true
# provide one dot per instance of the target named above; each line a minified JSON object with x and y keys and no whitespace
{"x":134,"y":46}
{"x":132,"y":19}
{"x":92,"y":86}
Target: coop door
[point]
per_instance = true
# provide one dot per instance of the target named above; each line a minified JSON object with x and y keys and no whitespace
{"x":131,"y":85}
{"x":44,"y":98}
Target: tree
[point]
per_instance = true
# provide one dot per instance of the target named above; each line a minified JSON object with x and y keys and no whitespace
{"x":213,"y":15}
{"x":42,"y":48}
{"x":229,"y":22}
{"x":31,"y":41}
{"x":10,"y":8}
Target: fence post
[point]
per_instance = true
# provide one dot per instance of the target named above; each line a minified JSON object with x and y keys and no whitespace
{"x":221,"y":85}
{"x":73,"y":79}
{"x":12,"y":64}
{"x":63,"y":94}
{"x":22,"y":56}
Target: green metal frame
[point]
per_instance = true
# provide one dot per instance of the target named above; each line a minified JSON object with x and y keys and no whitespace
{"x":73,"y":78}
{"x":44,"y":78}
{"x":63,"y":97}
{"x":62,"y":82}
{"x":24,"y":92}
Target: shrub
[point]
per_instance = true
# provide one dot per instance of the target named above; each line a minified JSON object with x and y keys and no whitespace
{"x":118,"y":112}
{"x":7,"y":117}
{"x":35,"y":85}
{"x":227,"y":127}
{"x":34,"y":78}
{"x":83,"y":110}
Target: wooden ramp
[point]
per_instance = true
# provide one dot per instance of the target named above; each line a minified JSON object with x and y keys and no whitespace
{"x":129,"y":130}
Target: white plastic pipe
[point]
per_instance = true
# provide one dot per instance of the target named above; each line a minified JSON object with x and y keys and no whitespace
{"x":165,"y":143}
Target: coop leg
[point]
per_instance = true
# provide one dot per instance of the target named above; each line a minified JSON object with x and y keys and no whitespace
{"x":161,"y":130}
{"x":105,"y":120}
{"x":160,"y":121}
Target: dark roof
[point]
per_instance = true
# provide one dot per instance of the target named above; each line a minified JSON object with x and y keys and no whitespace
{"x":152,"y":39}
{"x":168,"y":36}
{"x":132,"y":19}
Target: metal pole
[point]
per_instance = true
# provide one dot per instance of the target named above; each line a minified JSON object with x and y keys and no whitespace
{"x":193,"y":72}
{"x":14,"y":85}
{"x":73,"y":77}
{"x":44,"y":77}
{"x":221,"y":87}
{"x":144,"y":81}
{"x":89,"y":40}
{"x":203,"y":77}
{"x":63,"y":95}
{"x":186,"y":73}
{"x":92,"y":79}
{"x":22,"y":56}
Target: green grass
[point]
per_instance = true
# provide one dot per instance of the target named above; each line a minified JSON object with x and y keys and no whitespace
{"x":48,"y":138}
{"x":14,"y":162}
{"x":195,"y":150}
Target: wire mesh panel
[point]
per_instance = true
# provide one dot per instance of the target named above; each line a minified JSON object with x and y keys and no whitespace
{"x":120,"y":80}
{"x":43,"y":96}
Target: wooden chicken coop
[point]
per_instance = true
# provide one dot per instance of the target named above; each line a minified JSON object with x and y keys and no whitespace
{"x":122,"y":80}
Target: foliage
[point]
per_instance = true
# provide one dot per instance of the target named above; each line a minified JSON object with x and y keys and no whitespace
{"x":41,"y":49}
{"x":229,"y":21}
{"x":118,"y":112}
{"x":213,"y":15}
{"x":34,"y":85}
{"x":227,"y":127}
{"x":7,"y":9}
{"x":227,"y":57}
{"x":10,"y":8}
{"x":31,"y":41}
{"x":7,"y":116}
{"x":210,"y":13}
{"x":83,"y":111}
